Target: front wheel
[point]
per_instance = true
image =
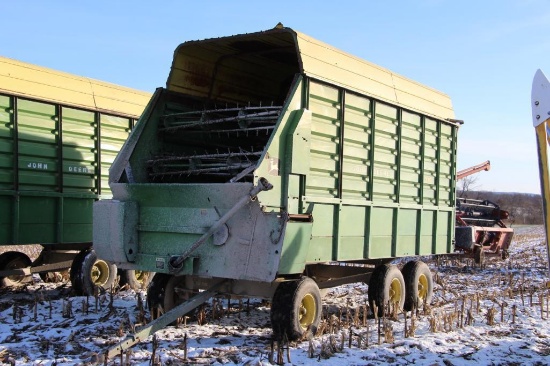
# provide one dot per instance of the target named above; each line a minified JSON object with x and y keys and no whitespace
{"x":295,"y":309}
{"x":386,"y":288}
{"x":418,"y":284}
{"x":166,"y":292}
{"x":88,"y":272}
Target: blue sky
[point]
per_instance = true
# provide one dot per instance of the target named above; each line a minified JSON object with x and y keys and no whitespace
{"x":483,"y":54}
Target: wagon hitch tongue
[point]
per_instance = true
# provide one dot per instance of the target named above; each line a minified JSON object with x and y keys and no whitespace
{"x":176,"y":262}
{"x":160,"y":323}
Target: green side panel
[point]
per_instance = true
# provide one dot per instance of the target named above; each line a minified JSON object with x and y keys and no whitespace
{"x":322,"y":180}
{"x":77,"y":223}
{"x":357,"y":148}
{"x":444,"y":233}
{"x":381,"y":232}
{"x":114,"y":132}
{"x":427,"y":232}
{"x":79,"y":151}
{"x":385,"y":188}
{"x":385,"y":154}
{"x":295,"y":247}
{"x":6,"y":219}
{"x":353,"y":232}
{"x":38,"y":148}
{"x":323,"y":233}
{"x":411,"y":159}
{"x":407,"y":223}
{"x":38,"y":222}
{"x":6,"y":143}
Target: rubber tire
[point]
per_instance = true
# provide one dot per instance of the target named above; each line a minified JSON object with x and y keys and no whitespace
{"x":13,"y":260}
{"x":161,"y":292}
{"x":412,"y":272}
{"x":135,"y":282}
{"x":75,"y":272}
{"x":379,"y":287}
{"x":84,"y":264}
{"x":286,"y":306}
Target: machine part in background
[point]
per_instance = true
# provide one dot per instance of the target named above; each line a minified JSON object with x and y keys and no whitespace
{"x":473,"y":170}
{"x":488,"y":231}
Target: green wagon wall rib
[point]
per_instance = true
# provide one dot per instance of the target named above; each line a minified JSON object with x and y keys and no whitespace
{"x":7,"y":144}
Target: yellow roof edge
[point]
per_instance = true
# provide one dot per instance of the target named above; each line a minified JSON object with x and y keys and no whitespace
{"x":41,"y":83}
{"x":439,"y":102}
{"x":327,"y":63}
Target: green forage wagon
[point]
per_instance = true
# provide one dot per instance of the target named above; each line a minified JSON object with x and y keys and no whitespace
{"x":273,"y":165}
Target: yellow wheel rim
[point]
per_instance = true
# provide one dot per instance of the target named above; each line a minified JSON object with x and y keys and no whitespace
{"x":100,"y":273}
{"x":308,"y":311}
{"x":422,"y":287}
{"x":396,"y":292}
{"x":141,"y":276}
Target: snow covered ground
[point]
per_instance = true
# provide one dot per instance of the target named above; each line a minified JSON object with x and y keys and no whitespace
{"x":489,"y":316}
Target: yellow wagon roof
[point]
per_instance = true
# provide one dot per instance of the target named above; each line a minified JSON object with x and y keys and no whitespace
{"x":36,"y":82}
{"x":210,"y":68}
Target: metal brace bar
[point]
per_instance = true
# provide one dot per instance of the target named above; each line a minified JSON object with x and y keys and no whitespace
{"x":163,"y":321}
{"x":175,"y":263}
{"x":27,"y":271}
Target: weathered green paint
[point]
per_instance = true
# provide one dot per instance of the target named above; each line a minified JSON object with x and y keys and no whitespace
{"x":293,"y":257}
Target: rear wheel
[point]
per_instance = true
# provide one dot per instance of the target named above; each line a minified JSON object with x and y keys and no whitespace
{"x":386,"y":288}
{"x":14,"y":260}
{"x":87,"y":272}
{"x":296,"y":308}
{"x":418,"y":284}
{"x":137,"y":280}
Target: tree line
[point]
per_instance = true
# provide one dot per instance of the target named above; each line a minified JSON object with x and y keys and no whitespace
{"x":523,"y":208}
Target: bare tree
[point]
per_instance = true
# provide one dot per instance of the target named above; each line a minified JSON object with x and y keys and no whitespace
{"x":466,"y":185}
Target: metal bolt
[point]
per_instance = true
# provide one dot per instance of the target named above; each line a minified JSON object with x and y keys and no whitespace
{"x":538,"y":117}
{"x":537,"y":102}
